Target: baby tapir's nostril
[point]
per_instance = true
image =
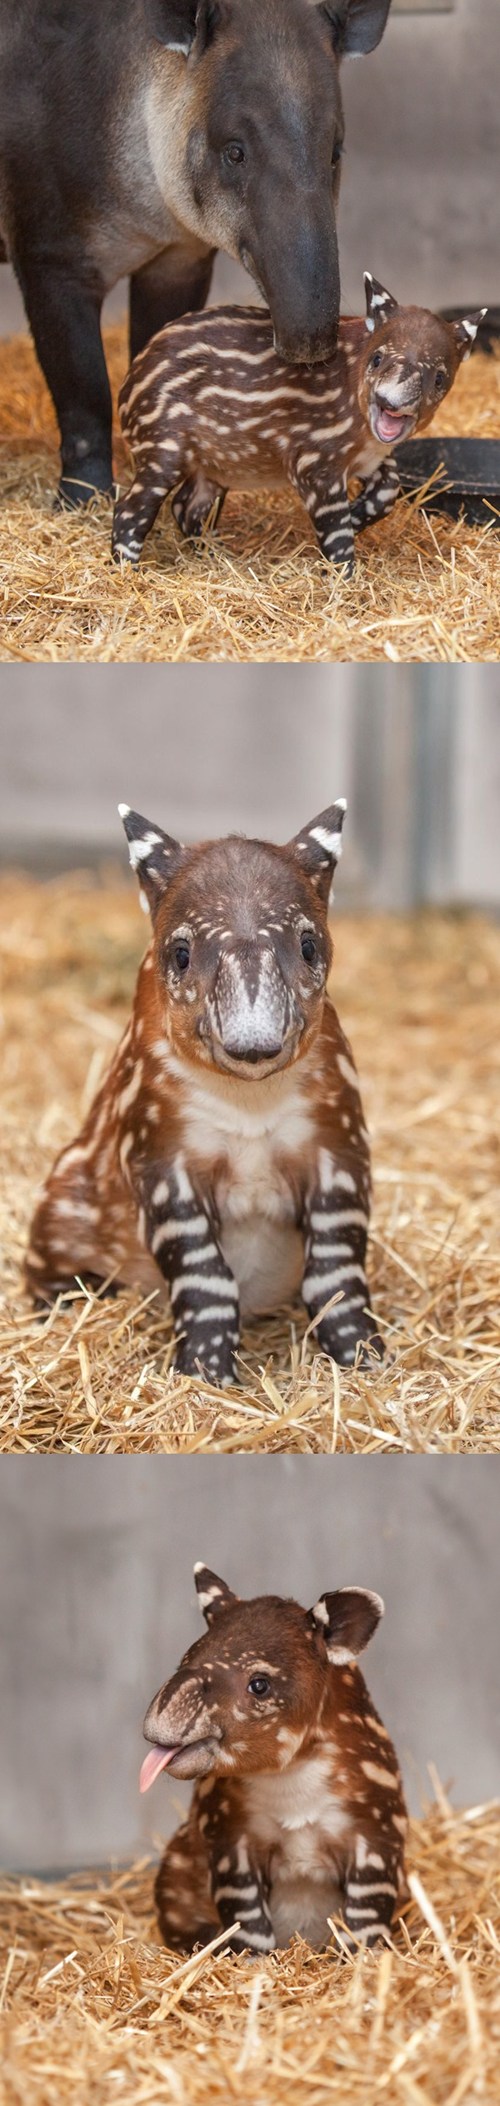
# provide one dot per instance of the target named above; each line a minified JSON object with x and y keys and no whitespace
{"x":252,"y":1053}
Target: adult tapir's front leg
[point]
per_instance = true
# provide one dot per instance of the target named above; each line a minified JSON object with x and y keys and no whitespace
{"x":239,"y":1890}
{"x":203,"y":1292}
{"x":176,"y":282}
{"x":329,"y":510}
{"x":335,"y":1223}
{"x":377,"y":496}
{"x":63,"y":307}
{"x":373,"y":1883}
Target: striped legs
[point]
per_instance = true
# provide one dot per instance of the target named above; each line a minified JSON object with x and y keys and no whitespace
{"x":330,"y":512}
{"x":371,"y":1890}
{"x":182,"y":1893}
{"x":203,"y":1291}
{"x":377,"y":495}
{"x":196,"y":503}
{"x":335,"y":1227}
{"x":135,"y":513}
{"x":238,"y":1889}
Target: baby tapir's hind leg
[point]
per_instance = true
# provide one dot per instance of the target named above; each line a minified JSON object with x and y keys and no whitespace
{"x":196,"y":503}
{"x":135,"y":514}
{"x":185,"y":1909}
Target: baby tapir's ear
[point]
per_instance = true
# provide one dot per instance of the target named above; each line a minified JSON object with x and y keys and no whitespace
{"x":213,"y":1595}
{"x":379,"y":303}
{"x":319,"y":846}
{"x":465,"y":331}
{"x":153,"y":854}
{"x":347,"y":1620}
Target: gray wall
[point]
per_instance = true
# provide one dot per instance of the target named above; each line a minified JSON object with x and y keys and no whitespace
{"x":97,"y":1605}
{"x":421,"y":173}
{"x":206,"y":749}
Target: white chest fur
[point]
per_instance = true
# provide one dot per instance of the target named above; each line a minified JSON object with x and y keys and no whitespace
{"x":296,"y":1818}
{"x":247,"y":1129}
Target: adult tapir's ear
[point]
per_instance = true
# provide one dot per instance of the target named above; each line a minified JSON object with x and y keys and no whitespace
{"x":356,"y":25}
{"x":153,"y":854}
{"x":319,"y":846}
{"x":465,"y":331}
{"x":347,"y":1620}
{"x":380,"y":304}
{"x":213,"y":1595}
{"x":173,"y":23}
{"x":176,"y":23}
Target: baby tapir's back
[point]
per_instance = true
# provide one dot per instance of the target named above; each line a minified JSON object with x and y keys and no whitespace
{"x":214,"y":386}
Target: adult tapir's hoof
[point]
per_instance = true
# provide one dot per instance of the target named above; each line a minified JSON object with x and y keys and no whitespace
{"x":77,"y":488}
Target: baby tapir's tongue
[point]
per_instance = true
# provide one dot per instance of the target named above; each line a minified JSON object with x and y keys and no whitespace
{"x":390,"y":423}
{"x":158,"y":1759}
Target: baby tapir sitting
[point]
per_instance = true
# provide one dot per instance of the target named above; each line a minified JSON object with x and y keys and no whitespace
{"x":298,"y":1812}
{"x":209,"y":406}
{"x":225,"y":1153}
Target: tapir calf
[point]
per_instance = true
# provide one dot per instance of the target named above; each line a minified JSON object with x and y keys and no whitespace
{"x":209,"y":406}
{"x":298,"y":1813}
{"x":225,"y":1154}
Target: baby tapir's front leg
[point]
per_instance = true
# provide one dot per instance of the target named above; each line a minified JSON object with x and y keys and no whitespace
{"x":377,"y":496}
{"x":335,"y":1226}
{"x":371,"y":1890}
{"x":203,"y":1292}
{"x":328,"y":506}
{"x":238,"y":1888}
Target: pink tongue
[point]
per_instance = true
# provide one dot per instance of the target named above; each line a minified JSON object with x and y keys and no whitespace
{"x":390,"y":424}
{"x":157,"y":1760}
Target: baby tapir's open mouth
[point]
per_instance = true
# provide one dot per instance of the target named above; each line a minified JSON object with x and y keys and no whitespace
{"x":390,"y":425}
{"x":195,"y":1756}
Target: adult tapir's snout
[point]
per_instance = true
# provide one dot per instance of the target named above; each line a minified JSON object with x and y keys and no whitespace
{"x":250,"y":1007}
{"x":298,"y":268}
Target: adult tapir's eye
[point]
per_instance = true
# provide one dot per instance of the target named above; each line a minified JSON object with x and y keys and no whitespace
{"x":308,"y":947}
{"x":440,"y":382}
{"x":182,"y":956}
{"x":233,"y":153}
{"x":259,"y":1686}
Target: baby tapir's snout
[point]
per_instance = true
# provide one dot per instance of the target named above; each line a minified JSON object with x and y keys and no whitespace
{"x":250,"y":1012}
{"x":182,"y":1730}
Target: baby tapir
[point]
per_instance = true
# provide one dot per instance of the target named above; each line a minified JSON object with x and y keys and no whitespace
{"x":298,"y":1811}
{"x":225,"y":1153}
{"x":209,"y":406}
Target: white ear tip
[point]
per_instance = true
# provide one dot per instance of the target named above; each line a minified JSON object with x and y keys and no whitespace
{"x":124,"y":810}
{"x":367,"y":278}
{"x":342,"y":803}
{"x":199,"y":1566}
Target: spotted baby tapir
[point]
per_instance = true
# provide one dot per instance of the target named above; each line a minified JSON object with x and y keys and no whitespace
{"x":209,"y":406}
{"x":225,"y":1155}
{"x":298,"y":1813}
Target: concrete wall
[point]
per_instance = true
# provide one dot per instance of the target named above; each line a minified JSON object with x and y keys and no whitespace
{"x":207,"y":749}
{"x":97,"y":1605}
{"x":421,"y":174}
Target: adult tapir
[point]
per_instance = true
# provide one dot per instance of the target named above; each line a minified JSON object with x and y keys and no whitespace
{"x":136,"y":138}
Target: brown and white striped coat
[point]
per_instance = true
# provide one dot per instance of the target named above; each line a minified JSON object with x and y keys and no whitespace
{"x":209,"y":406}
{"x":225,"y":1154}
{"x":298,"y":1812}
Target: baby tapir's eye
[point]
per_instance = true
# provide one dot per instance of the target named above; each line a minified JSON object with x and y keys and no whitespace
{"x":308,"y":947}
{"x":182,"y":956}
{"x":259,"y":1686}
{"x":440,"y":382}
{"x":377,"y":358}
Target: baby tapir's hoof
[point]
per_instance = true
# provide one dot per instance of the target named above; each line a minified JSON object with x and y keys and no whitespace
{"x":217,"y":1368}
{"x":197,"y":506}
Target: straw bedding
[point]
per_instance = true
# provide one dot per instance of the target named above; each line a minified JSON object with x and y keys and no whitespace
{"x":426,"y":588}
{"x":93,"y":2007}
{"x":420,"y":999}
